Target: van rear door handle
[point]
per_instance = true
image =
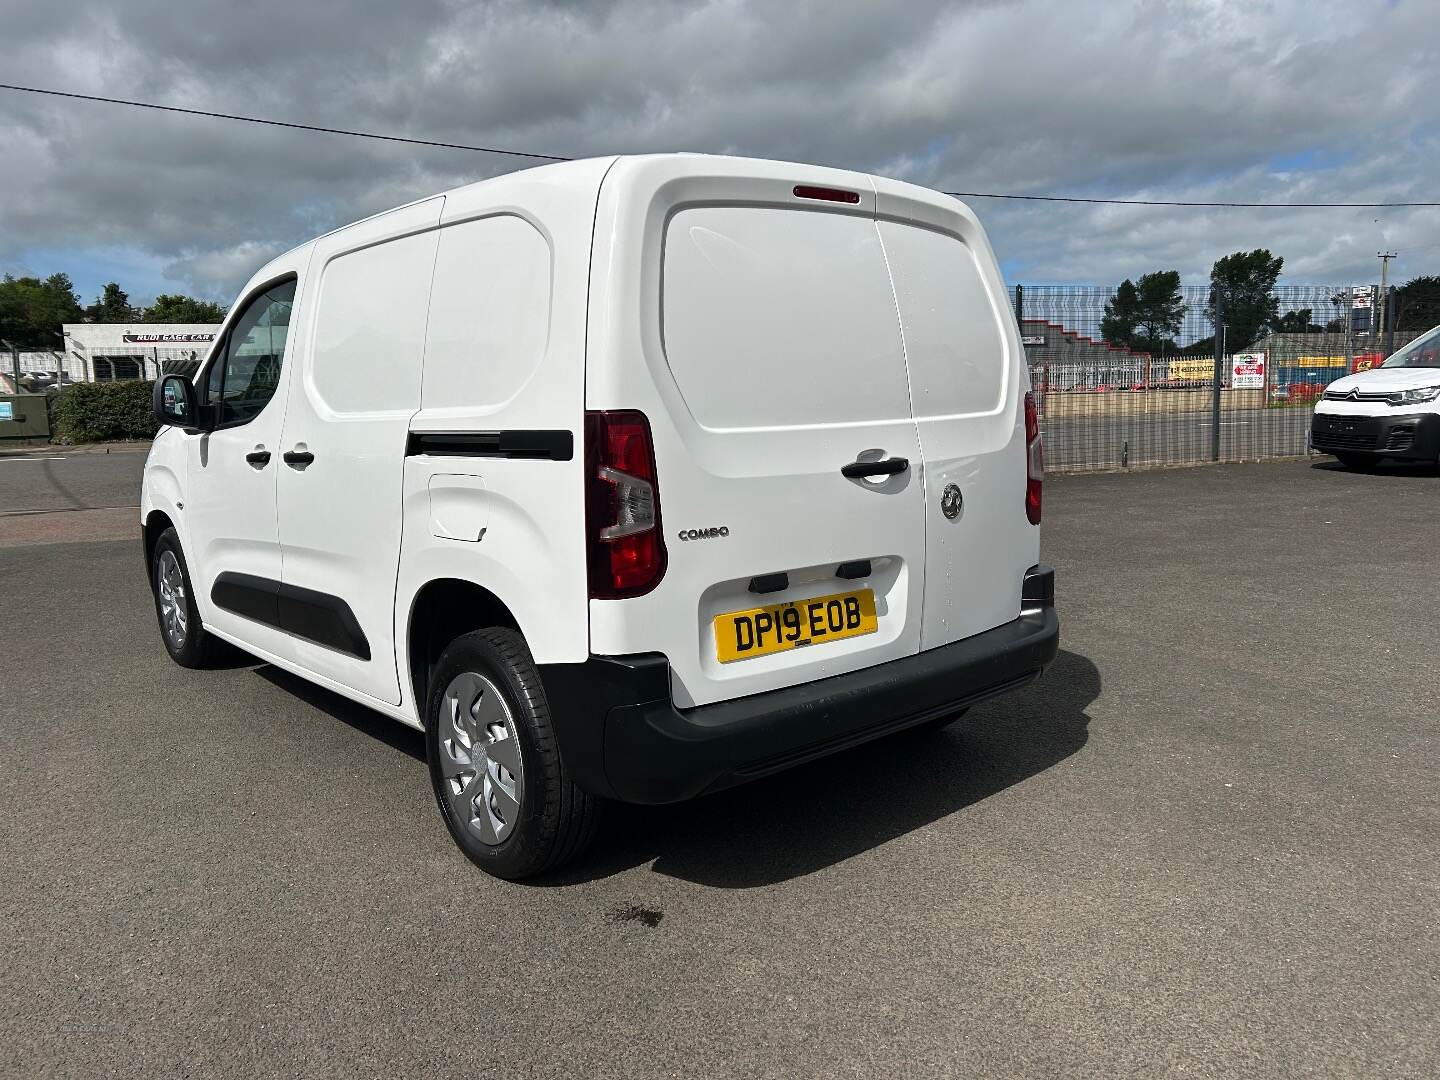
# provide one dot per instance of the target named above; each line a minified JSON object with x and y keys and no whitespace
{"x":258,"y":457}
{"x":885,"y":467}
{"x":298,"y":457}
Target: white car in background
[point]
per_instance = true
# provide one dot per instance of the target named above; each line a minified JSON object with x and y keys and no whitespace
{"x":1391,"y":411}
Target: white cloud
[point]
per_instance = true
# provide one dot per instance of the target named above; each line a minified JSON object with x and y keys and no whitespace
{"x":1173,"y":99}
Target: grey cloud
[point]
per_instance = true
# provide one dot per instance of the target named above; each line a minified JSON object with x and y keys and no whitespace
{"x":1181,"y":98}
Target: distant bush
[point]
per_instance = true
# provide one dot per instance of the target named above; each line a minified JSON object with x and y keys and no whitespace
{"x":102,"y":412}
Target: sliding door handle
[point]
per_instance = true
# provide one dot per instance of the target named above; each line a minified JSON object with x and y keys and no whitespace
{"x":300,"y":458}
{"x":259,"y":457}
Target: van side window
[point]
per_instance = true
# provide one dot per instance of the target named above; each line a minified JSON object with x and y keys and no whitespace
{"x":245,"y":376}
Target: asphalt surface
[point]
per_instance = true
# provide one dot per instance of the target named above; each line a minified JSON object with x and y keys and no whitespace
{"x":65,"y":479}
{"x":1203,"y":845}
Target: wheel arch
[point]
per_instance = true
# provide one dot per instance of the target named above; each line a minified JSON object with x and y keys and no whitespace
{"x":156,"y":522}
{"x":440,"y":611}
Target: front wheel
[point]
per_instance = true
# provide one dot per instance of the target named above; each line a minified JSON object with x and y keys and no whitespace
{"x":180,"y":628}
{"x":494,"y":765}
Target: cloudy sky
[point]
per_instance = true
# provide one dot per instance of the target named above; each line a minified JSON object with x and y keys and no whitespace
{"x":1285,"y":101}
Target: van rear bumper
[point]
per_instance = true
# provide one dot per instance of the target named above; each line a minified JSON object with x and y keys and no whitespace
{"x":621,"y":736}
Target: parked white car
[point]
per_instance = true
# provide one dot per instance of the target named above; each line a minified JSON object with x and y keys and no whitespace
{"x":1390,"y":411}
{"x":630,"y":478}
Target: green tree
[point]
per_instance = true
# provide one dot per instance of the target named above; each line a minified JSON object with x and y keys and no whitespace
{"x":1296,"y":322}
{"x":1145,"y":315}
{"x":1161,"y":311}
{"x":113,"y":306}
{"x":1122,"y":315}
{"x":175,"y":308}
{"x":1417,"y":304}
{"x":1243,"y":286}
{"x":31,"y":310}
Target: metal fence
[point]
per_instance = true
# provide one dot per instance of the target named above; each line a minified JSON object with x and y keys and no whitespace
{"x":1129,"y":381}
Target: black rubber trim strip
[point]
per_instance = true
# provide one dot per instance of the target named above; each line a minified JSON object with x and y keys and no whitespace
{"x":558,"y":445}
{"x":315,"y":616}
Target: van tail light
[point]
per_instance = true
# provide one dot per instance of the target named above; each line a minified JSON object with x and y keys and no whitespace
{"x":625,"y":551}
{"x":1034,"y":460}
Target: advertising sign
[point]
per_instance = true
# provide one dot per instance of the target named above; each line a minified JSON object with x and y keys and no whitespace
{"x":1248,"y":372}
{"x":164,"y":339}
{"x":7,"y":410}
{"x":1193,"y":370}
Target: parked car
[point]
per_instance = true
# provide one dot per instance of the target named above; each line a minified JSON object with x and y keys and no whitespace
{"x":620,"y":479}
{"x":1390,"y":411}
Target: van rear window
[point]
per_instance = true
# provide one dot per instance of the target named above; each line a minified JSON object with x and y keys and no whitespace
{"x":780,"y":318}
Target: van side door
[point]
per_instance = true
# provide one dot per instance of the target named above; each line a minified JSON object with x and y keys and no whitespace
{"x":356,"y":386}
{"x":230,"y":515}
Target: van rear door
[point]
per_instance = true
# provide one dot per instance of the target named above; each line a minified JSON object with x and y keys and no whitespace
{"x":768,"y":360}
{"x":967,"y":387}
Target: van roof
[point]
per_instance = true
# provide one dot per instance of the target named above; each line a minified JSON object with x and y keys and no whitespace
{"x":586,"y":174}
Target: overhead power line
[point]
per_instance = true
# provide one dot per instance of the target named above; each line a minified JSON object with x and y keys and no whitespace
{"x":1188,"y":202}
{"x":282,"y":123}
{"x":558,"y":157}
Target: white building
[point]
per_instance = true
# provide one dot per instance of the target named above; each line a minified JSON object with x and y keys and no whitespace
{"x":99,"y":352}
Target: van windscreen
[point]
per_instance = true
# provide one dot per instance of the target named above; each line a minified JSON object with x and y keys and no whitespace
{"x":780,"y":318}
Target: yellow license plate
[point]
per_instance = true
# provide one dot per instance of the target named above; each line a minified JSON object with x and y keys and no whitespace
{"x":743,"y":635}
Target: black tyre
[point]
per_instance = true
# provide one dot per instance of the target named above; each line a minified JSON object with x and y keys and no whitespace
{"x":180,"y":627}
{"x":494,"y":765}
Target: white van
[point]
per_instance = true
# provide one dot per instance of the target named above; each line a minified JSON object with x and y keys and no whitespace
{"x":1392,"y":411}
{"x":630,"y":478}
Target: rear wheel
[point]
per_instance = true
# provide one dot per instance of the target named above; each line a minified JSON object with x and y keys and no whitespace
{"x":494,"y":765}
{"x":180,"y":627}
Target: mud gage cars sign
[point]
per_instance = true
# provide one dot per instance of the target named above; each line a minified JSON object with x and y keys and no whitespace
{"x":1248,"y":371}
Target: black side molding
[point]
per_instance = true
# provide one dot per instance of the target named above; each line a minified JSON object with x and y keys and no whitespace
{"x":315,"y":616}
{"x":253,"y":597}
{"x":544,"y":445}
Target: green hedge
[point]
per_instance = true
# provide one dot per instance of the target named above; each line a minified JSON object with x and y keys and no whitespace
{"x":101,"y":412}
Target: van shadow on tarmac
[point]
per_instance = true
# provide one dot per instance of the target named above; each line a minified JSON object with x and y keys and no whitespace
{"x":813,"y":816}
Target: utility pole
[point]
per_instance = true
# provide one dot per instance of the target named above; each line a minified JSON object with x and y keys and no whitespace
{"x":1382,"y":302}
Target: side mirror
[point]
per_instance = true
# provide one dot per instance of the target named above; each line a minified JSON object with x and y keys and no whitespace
{"x":174,"y":402}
